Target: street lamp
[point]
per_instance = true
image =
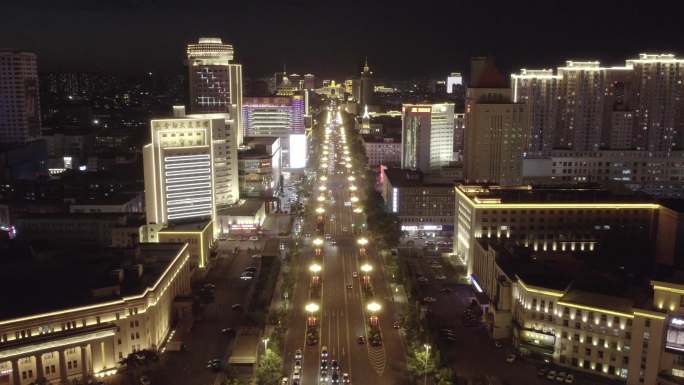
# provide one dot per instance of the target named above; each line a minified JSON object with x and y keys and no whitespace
{"x":351,"y":179}
{"x":318,"y":242}
{"x":321,"y":198}
{"x":324,"y":178}
{"x":320,"y":210}
{"x":366,"y":268}
{"x":358,"y":210}
{"x":265,"y":341}
{"x":362,"y":241}
{"x":315,"y":268}
{"x":352,"y":188}
{"x":348,"y":165}
{"x":354,"y":199}
{"x":322,"y":188}
{"x":427,"y":353}
{"x":373,"y":308}
{"x":312,"y":309}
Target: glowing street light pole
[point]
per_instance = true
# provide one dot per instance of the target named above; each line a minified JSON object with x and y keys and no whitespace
{"x":373,"y":308}
{"x":311,"y":308}
{"x":427,"y":353}
{"x":265,"y":341}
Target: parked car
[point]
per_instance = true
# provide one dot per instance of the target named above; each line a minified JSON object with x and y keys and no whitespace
{"x":551,"y":375}
{"x":144,"y":380}
{"x":510,"y":358}
{"x":569,"y":379}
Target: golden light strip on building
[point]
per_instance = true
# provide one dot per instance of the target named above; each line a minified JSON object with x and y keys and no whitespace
{"x":551,"y":293}
{"x":670,"y":289}
{"x":653,"y":206}
{"x":194,"y":232}
{"x":111,"y":303}
{"x":596,"y":309}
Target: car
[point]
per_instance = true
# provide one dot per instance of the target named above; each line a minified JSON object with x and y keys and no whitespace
{"x":440,"y":277}
{"x":252,"y":269}
{"x":296,"y":375}
{"x":361,"y":340}
{"x":498,"y":345}
{"x":334,"y":365}
{"x":324,"y":375}
{"x":551,"y":375}
{"x":344,"y":229}
{"x":253,"y":238}
{"x":445,"y":290}
{"x":345,"y":378}
{"x":228,"y":331}
{"x":298,"y":354}
{"x":324,"y":352}
{"x":560,"y":377}
{"x":569,"y":379}
{"x":355,"y":274}
{"x":144,"y":380}
{"x":246,"y":276}
{"x":349,"y":286}
{"x":542,"y":372}
{"x":214,"y":364}
{"x":422,"y":280}
{"x":335,"y":378}
{"x":236,"y":307}
{"x":435,"y":265}
{"x":298,"y":365}
{"x":284,"y":381}
{"x":396,"y":325}
{"x":510,"y":358}
{"x":209,"y":286}
{"x":256,"y":256}
{"x":429,"y":299}
{"x":324,"y":364}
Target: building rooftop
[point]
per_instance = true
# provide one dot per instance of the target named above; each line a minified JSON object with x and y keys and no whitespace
{"x":594,"y":278}
{"x":187,"y":226}
{"x":396,"y":139}
{"x":492,"y":194}
{"x":244,"y":208}
{"x":399,"y":177}
{"x":73,"y":277}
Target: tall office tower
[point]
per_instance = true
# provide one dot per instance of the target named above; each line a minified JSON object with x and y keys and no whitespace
{"x":282,"y":117}
{"x":454,"y":80}
{"x":190,"y":167}
{"x":366,"y":85}
{"x":296,"y":81}
{"x":495,"y":129}
{"x":427,"y":136}
{"x":309,"y":81}
{"x":19,"y":97}
{"x":459,"y":127}
{"x":658,"y":102}
{"x":538,"y":91}
{"x":215,"y":82}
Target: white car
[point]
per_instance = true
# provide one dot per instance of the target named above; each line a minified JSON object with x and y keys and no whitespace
{"x":284,"y":381}
{"x":569,"y":379}
{"x":298,"y":365}
{"x":324,"y":352}
{"x":355,"y":274}
{"x":144,"y":380}
{"x":298,"y":354}
{"x":430,"y":299}
{"x":510,"y":358}
{"x":296,"y":375}
{"x":440,"y":277}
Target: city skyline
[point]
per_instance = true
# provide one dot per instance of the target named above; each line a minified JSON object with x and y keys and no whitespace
{"x":381,"y":31}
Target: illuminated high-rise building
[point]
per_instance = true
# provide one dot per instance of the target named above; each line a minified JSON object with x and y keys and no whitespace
{"x":215,"y":82}
{"x":495,"y":128}
{"x":658,"y":102}
{"x":19,"y":97}
{"x":427,"y":136}
{"x":190,"y":167}
{"x":366,"y":85}
{"x":454,"y":80}
{"x":282,"y":117}
{"x":538,"y":90}
{"x":309,"y":82}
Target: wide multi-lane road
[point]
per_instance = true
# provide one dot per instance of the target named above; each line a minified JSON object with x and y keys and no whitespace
{"x":342,"y":315}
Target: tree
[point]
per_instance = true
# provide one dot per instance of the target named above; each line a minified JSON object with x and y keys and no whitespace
{"x":444,"y":376}
{"x":268,"y":372}
{"x":417,"y":360}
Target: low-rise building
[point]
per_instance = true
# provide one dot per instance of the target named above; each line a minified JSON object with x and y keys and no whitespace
{"x":656,"y":173}
{"x":259,"y":167}
{"x":615,"y":322}
{"x":199,"y":237}
{"x":420,"y":202}
{"x":116,"y":203}
{"x":92,"y":228}
{"x":246,"y":216}
{"x":553,"y":218}
{"x":382,"y":150}
{"x":101,"y":306}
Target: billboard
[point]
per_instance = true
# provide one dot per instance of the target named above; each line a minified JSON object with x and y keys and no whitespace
{"x":298,"y":150}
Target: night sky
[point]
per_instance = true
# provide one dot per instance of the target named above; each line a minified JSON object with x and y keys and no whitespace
{"x":401,"y":39}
